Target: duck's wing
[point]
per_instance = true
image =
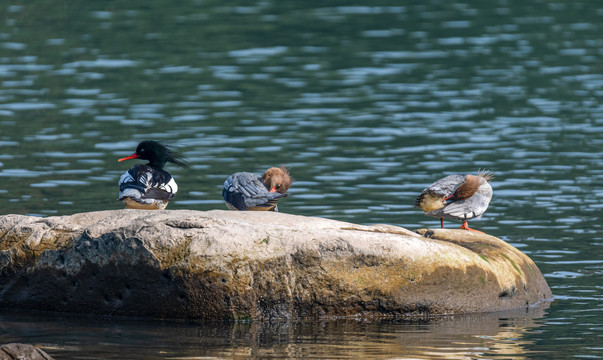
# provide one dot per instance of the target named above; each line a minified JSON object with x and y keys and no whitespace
{"x":440,"y":189}
{"x":245,"y":191}
{"x":266,"y":203}
{"x":446,"y":185}
{"x":144,"y":183}
{"x":158,"y":194}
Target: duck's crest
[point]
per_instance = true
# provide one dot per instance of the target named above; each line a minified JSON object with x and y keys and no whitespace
{"x":487,"y":175}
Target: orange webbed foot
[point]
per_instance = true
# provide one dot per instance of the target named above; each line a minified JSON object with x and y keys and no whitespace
{"x":465,"y":226}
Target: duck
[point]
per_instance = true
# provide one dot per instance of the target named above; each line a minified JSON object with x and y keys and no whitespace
{"x":148,"y":186}
{"x":245,"y":191}
{"x":460,"y":197}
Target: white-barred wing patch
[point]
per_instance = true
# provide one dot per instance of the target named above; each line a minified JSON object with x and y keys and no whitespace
{"x":144,"y":183}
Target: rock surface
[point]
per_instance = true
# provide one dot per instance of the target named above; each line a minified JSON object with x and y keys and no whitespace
{"x":254,"y":265}
{"x":15,"y":351}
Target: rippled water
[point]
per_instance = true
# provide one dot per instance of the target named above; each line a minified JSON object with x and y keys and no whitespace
{"x":367,"y":104}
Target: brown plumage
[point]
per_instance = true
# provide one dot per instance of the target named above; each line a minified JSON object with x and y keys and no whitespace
{"x":277,"y":179}
{"x":469,"y":187}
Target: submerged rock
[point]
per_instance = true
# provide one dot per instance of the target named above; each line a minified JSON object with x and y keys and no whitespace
{"x":254,"y":265}
{"x":14,"y":351}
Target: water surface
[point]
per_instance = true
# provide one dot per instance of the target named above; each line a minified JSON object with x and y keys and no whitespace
{"x":366,"y":103}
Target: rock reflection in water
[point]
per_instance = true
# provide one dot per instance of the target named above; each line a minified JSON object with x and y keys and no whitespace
{"x":459,"y":337}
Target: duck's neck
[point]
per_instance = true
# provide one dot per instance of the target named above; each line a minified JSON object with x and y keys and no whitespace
{"x":157,"y":163}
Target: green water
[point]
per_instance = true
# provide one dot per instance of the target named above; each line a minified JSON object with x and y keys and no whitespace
{"x":366,"y":103}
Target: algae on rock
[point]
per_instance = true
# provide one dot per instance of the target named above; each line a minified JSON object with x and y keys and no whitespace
{"x":253,"y":265}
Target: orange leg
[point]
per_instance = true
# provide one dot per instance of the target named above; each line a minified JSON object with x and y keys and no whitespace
{"x":465,"y":226}
{"x":442,"y":222}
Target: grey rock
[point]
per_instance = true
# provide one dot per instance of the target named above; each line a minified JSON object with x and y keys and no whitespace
{"x":16,"y":351}
{"x":254,"y":265}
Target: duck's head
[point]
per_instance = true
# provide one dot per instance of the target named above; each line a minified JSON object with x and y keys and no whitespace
{"x":277,"y":179}
{"x":156,"y":153}
{"x":470,"y":186}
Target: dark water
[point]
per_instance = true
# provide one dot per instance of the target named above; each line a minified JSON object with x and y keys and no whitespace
{"x":366,"y":103}
{"x":504,"y":335}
